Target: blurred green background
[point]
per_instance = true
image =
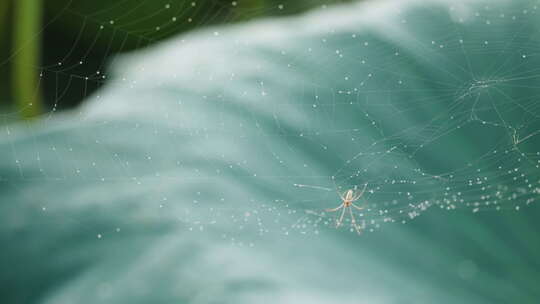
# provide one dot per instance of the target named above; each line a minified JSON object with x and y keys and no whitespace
{"x":156,"y":192}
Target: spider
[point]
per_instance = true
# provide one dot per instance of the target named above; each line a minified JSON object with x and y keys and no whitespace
{"x":347,"y":202}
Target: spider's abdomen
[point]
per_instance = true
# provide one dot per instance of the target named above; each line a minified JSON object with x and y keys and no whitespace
{"x":349,"y":196}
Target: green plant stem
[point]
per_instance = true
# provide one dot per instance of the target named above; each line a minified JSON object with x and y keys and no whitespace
{"x":4,"y":6}
{"x":26,"y":50}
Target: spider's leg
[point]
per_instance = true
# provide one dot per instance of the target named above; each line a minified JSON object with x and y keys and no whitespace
{"x":341,"y":195}
{"x":358,"y":230}
{"x":359,"y":208}
{"x":338,"y":223}
{"x":336,"y":187}
{"x":334,"y":209}
{"x":359,"y":195}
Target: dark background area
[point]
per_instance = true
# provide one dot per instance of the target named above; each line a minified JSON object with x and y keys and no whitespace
{"x":77,"y":39}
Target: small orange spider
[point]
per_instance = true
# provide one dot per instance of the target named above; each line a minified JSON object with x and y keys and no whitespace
{"x":348,"y":198}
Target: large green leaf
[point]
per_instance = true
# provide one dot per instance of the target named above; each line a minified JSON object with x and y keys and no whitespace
{"x":201,"y":173}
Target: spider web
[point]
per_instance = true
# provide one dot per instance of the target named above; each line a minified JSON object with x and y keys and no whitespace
{"x":444,"y":117}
